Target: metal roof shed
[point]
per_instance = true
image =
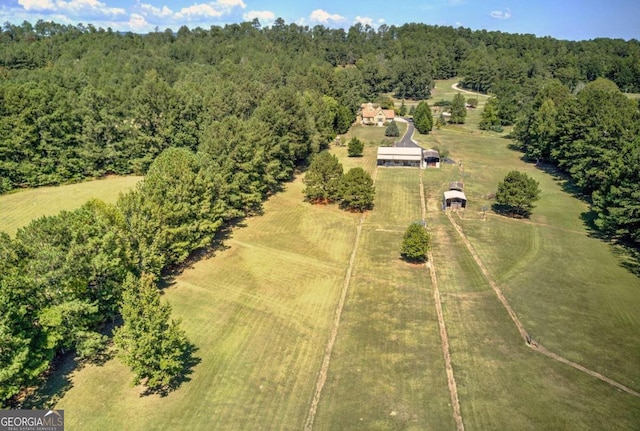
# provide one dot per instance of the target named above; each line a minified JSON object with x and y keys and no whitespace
{"x":454,"y":199}
{"x":400,"y":156}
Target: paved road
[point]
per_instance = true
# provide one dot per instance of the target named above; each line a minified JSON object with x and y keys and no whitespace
{"x":406,"y":139}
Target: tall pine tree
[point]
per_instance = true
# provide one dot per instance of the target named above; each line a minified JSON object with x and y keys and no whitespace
{"x":155,"y":347}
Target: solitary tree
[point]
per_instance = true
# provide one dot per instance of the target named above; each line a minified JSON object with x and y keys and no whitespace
{"x":392,"y":130}
{"x":423,"y":118}
{"x":355,"y":148}
{"x":357,"y":190}
{"x":458,"y":110}
{"x":155,"y":347}
{"x":518,"y":192}
{"x":489,"y":119}
{"x":323,"y":177}
{"x":415,"y":243}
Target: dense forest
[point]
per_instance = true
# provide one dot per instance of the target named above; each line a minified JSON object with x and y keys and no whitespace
{"x":217,"y":119}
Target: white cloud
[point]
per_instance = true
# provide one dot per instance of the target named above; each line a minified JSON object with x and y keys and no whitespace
{"x":230,"y":4}
{"x":138,"y":23}
{"x":154,"y":11}
{"x":76,"y":7}
{"x":262,"y":15}
{"x":199,"y":10}
{"x":364,"y":20}
{"x":323,"y":17}
{"x":381,"y":21}
{"x":37,"y":4}
{"x":195,"y":12}
{"x":498,"y":14}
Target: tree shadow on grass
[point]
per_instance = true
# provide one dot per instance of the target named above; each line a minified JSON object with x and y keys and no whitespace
{"x":55,"y":385}
{"x":189,"y":361}
{"x":507,"y":211}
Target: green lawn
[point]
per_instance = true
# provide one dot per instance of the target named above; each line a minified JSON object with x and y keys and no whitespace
{"x":387,"y":370}
{"x":568,"y":289}
{"x":19,"y":208}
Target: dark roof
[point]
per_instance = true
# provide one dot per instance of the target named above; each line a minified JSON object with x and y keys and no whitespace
{"x":456,"y":185}
{"x":431,"y":153}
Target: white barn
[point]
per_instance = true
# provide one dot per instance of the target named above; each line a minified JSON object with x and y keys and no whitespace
{"x":401,"y":156}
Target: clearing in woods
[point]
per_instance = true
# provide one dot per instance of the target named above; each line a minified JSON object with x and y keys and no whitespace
{"x":261,"y":312}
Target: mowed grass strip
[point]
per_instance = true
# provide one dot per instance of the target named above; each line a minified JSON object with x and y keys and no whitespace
{"x":568,"y":289}
{"x":387,"y":369}
{"x":259,"y":312}
{"x":503,"y":384}
{"x":19,"y":208}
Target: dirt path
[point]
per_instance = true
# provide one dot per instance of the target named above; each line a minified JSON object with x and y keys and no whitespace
{"x":462,"y":90}
{"x":451,"y":380}
{"x":324,"y":368}
{"x":523,"y":333}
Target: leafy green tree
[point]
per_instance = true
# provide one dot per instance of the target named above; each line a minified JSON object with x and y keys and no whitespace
{"x":415,"y":243}
{"x":173,"y":212}
{"x":518,"y":192}
{"x":357,"y":190}
{"x":423,"y":118}
{"x":472,"y":102}
{"x":392,"y":130}
{"x":412,"y":110}
{"x":458,"y":109}
{"x":149,"y":341}
{"x":355,"y":147}
{"x":323,"y":177}
{"x":489,"y":119}
{"x":440,"y":122}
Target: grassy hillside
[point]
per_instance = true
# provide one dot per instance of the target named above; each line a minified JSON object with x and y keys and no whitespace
{"x":18,"y":209}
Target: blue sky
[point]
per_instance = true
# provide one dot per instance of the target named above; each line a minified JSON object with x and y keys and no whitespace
{"x":563,"y":19}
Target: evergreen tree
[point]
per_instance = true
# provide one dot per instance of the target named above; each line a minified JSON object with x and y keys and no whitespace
{"x":323,"y":177}
{"x":458,"y":110}
{"x":355,"y":147}
{"x":402,"y":111}
{"x":518,"y":192}
{"x":392,"y":130}
{"x":357,"y":190}
{"x":149,"y":342}
{"x":415,"y":243}
{"x":423,"y":118}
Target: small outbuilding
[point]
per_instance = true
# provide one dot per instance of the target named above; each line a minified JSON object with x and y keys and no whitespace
{"x":454,"y":200}
{"x":431,"y":158}
{"x":400,"y":156}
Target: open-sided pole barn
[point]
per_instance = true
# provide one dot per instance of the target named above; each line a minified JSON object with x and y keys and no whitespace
{"x":401,"y":156}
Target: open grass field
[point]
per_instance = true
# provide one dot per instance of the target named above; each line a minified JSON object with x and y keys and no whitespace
{"x":388,"y":369}
{"x":261,"y":311}
{"x":568,"y":289}
{"x":19,"y":208}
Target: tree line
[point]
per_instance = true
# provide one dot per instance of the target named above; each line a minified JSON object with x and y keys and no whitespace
{"x":80,"y":101}
{"x":593,"y":136}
